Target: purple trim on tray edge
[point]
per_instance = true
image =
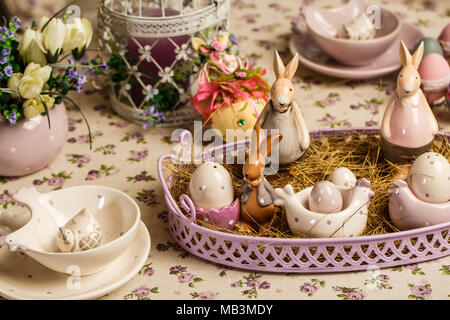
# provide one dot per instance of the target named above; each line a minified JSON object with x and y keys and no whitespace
{"x":320,"y":243}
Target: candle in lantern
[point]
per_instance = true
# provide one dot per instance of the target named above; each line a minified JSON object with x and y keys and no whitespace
{"x":159,"y":50}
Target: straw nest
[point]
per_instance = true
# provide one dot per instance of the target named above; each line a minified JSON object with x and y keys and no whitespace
{"x":359,"y":153}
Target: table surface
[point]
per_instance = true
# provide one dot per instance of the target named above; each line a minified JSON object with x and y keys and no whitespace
{"x":124,"y":156}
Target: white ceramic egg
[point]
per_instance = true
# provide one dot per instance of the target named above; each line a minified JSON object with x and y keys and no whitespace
{"x":80,"y":233}
{"x":342,"y":177}
{"x":429,"y":178}
{"x":325,"y":198}
{"x":211,"y":186}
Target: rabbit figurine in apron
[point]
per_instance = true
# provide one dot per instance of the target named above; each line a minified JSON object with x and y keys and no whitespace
{"x":408,"y":126}
{"x":283,"y":113}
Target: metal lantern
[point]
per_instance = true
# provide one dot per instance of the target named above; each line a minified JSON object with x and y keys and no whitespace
{"x":150,"y":41}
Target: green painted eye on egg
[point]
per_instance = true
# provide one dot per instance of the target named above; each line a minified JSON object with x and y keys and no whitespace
{"x":241,"y":122}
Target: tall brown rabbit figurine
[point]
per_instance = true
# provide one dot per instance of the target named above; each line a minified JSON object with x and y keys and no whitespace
{"x":257,"y":195}
{"x":409,"y":126}
{"x":283,"y":113}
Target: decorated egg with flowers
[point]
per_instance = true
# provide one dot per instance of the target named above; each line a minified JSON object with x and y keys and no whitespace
{"x":240,"y":117}
{"x":229,"y":92}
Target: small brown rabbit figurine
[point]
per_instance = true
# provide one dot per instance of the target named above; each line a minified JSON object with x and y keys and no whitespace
{"x":257,"y":208}
{"x":409,"y":126}
{"x":283,"y":113}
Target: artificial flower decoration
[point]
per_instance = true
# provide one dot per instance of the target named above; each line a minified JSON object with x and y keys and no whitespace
{"x":225,"y":77}
{"x":33,"y":76}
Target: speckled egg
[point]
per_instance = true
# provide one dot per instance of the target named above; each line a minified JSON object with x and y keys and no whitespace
{"x":211,"y":186}
{"x":325,"y":198}
{"x":444,"y":40}
{"x":435,"y":74}
{"x":429,"y":178}
{"x":342,"y":177}
{"x":430,"y":45}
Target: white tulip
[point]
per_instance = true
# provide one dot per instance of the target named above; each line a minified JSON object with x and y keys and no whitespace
{"x":79,"y":37}
{"x":13,"y":84}
{"x":74,"y":38}
{"x":29,"y":49}
{"x":34,"y":107}
{"x":51,"y":38}
{"x":29,"y":87}
{"x":14,"y":81}
{"x":34,"y":70}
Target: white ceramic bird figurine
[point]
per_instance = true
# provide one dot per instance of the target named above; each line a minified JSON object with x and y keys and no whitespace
{"x":80,"y":233}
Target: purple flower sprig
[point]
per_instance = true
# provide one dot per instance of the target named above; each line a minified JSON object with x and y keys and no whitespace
{"x":9,"y":49}
{"x":153,"y":116}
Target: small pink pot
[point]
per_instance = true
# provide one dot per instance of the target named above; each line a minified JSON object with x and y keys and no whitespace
{"x":225,"y":217}
{"x":30,"y":145}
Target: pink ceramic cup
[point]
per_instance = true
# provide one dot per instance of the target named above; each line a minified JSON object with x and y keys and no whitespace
{"x":30,"y":145}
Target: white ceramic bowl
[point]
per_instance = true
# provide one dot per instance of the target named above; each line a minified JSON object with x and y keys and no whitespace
{"x":325,"y":24}
{"x":116,"y":212}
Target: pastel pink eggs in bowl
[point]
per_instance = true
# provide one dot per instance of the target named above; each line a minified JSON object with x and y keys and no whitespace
{"x":325,"y":25}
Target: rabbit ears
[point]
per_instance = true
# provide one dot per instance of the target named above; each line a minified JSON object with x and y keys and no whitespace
{"x":408,"y":59}
{"x":261,"y":147}
{"x":285,"y":72}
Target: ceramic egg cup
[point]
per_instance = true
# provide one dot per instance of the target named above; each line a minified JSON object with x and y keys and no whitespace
{"x":117,"y":214}
{"x":350,"y":221}
{"x":298,"y":255}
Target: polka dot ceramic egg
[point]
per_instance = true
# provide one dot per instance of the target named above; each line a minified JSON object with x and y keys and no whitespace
{"x":211,"y":186}
{"x":325,"y":198}
{"x":429,"y":178}
{"x":342,"y":177}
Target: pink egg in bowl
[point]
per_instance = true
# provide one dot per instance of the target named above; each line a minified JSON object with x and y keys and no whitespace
{"x":435,"y":75}
{"x":325,"y":24}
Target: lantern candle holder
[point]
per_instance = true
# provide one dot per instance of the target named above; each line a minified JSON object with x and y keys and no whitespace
{"x":148,"y":44}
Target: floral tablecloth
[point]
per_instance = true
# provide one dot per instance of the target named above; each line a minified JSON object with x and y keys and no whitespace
{"x":124,"y":156}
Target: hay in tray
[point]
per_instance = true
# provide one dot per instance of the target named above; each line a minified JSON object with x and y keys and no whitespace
{"x":359,"y":153}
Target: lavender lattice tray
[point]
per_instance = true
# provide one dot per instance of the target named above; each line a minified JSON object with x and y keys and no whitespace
{"x":298,"y":255}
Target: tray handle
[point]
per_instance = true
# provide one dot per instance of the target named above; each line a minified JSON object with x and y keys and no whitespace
{"x":185,"y":141}
{"x":188,"y":205}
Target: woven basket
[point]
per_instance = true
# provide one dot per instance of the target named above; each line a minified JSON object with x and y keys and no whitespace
{"x":299,"y":255}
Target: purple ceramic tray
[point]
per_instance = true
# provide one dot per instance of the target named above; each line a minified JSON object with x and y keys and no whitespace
{"x":299,"y":255}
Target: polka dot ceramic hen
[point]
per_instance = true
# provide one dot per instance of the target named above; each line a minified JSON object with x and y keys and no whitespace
{"x":348,"y":222}
{"x":424,"y":199}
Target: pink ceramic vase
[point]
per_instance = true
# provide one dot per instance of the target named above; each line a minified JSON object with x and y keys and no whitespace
{"x":30,"y":145}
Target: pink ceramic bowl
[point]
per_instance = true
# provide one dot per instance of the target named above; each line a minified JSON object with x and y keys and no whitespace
{"x":324,"y":25}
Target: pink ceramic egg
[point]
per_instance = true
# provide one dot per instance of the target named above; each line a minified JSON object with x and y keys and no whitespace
{"x":435,"y":74}
{"x":325,"y":198}
{"x":444,"y":40}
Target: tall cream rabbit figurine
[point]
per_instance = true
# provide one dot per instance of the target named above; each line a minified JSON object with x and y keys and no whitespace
{"x":409,"y":126}
{"x":283,"y":113}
